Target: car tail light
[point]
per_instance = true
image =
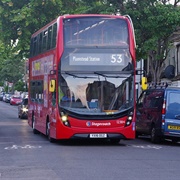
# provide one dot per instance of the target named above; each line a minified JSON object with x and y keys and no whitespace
{"x":164,"y":107}
{"x":163,"y":122}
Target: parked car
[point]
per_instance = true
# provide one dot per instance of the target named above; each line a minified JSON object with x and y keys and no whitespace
{"x":4,"y":97}
{"x":23,"y":109}
{"x":7,"y":97}
{"x":15,"y":100}
{"x":158,"y":113}
{"x":1,"y":95}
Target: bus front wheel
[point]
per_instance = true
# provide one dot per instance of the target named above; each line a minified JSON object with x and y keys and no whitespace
{"x":33,"y":125}
{"x":48,"y":132}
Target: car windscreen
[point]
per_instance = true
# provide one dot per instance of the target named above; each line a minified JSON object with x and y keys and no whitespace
{"x":25,"y":102}
{"x":151,"y":99}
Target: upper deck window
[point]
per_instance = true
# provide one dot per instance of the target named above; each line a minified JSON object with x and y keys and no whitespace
{"x":95,"y":31}
{"x":44,"y":41}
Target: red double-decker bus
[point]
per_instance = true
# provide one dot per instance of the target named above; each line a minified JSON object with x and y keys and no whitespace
{"x":82,"y":78}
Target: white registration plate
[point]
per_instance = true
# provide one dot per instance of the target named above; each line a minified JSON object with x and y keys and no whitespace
{"x":98,"y":135}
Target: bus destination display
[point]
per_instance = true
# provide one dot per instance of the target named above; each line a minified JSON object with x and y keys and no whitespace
{"x":105,"y":59}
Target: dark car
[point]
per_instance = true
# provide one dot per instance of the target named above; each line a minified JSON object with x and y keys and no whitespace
{"x":15,"y":100}
{"x":23,"y":109}
{"x":158,"y":113}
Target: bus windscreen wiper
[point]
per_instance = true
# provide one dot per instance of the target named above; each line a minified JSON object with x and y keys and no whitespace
{"x":110,"y":76}
{"x":75,"y":76}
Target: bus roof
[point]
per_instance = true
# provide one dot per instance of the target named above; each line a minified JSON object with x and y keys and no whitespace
{"x":77,"y":15}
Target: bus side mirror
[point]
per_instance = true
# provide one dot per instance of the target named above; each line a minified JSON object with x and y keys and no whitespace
{"x":52,"y":85}
{"x":144,"y":83}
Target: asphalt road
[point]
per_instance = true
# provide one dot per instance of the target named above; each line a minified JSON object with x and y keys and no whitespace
{"x":24,"y":155}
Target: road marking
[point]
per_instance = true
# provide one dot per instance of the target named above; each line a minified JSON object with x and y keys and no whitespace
{"x":146,"y":146}
{"x":22,"y":147}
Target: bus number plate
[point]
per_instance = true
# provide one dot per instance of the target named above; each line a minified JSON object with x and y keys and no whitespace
{"x":98,"y":135}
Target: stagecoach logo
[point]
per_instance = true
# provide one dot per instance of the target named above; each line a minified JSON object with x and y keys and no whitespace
{"x":88,"y":124}
{"x":97,"y":124}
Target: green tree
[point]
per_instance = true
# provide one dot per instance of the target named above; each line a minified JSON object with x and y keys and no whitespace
{"x":154,"y":22}
{"x":20,"y":19}
{"x":20,"y":86}
{"x":12,"y":71}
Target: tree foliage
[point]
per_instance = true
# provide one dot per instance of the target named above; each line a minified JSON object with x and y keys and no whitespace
{"x":154,"y":22}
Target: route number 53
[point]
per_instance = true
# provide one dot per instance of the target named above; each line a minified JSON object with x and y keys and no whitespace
{"x":116,"y":58}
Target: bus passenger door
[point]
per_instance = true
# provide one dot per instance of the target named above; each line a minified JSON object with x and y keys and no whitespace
{"x":52,"y":106}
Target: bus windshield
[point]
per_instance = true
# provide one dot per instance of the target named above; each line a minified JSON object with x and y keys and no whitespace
{"x":96,"y":70}
{"x":96,"y":93}
{"x":95,"y":31}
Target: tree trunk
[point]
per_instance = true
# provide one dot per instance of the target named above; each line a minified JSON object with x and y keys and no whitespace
{"x":156,"y":67}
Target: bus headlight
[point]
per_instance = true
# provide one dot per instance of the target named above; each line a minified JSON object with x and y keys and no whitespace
{"x":129,"y":119}
{"x":64,"y":119}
